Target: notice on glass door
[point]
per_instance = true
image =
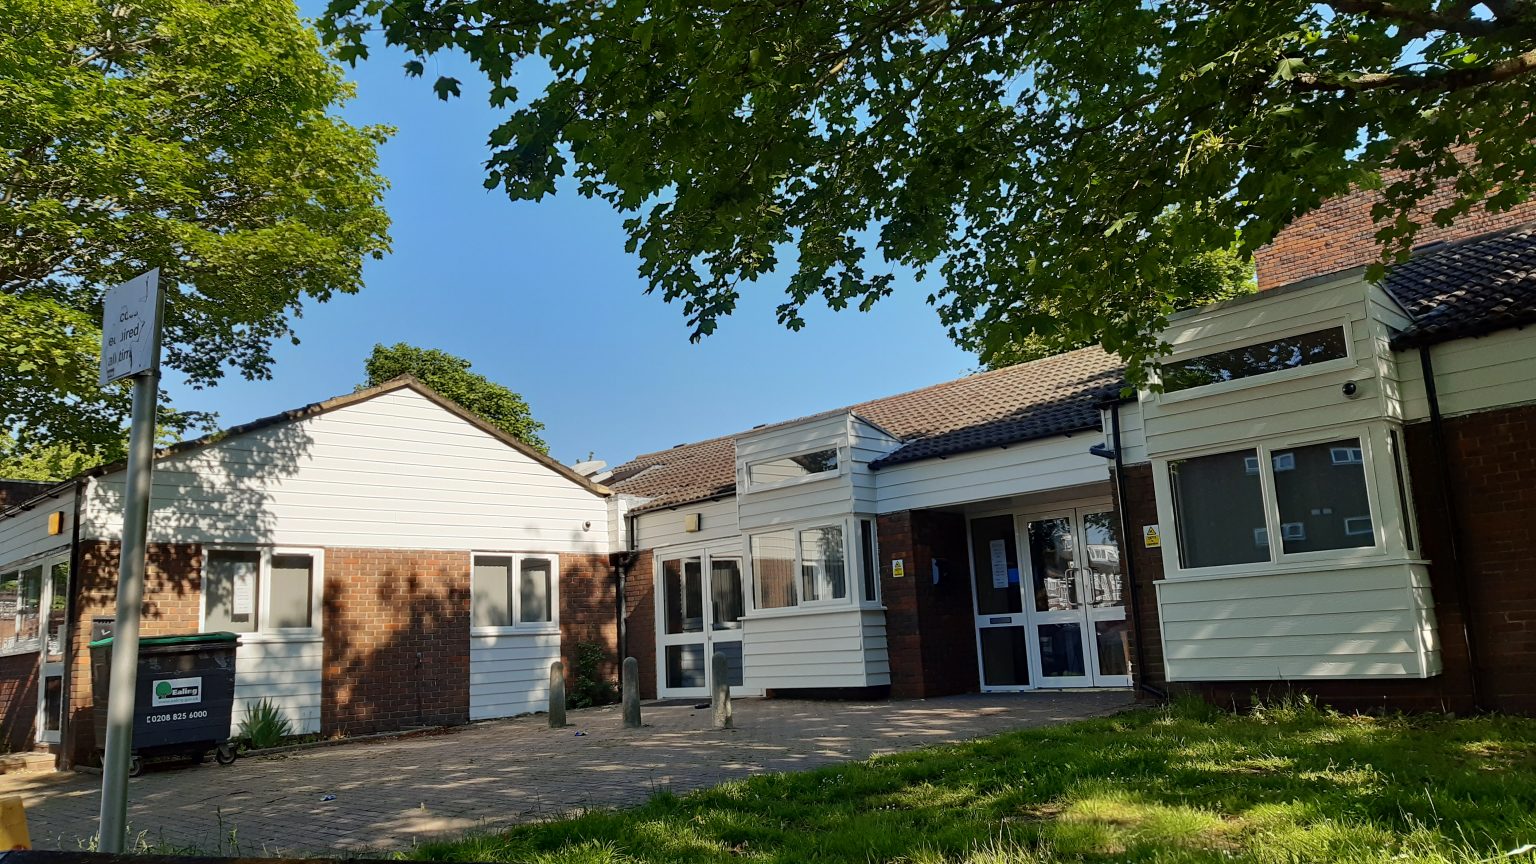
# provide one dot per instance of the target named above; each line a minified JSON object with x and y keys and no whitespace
{"x":244,"y":600}
{"x":999,"y":563}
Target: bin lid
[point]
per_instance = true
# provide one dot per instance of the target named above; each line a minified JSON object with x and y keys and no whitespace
{"x":183,"y":639}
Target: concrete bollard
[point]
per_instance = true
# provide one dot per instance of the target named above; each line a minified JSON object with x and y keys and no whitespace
{"x":631,"y":693}
{"x":720,"y":693}
{"x":556,"y":694}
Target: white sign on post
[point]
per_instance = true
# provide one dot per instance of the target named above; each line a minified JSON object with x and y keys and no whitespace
{"x":129,"y":324}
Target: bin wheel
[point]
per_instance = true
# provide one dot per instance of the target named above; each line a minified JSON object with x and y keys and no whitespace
{"x":135,"y":765}
{"x":199,"y":757}
{"x":225,"y":755}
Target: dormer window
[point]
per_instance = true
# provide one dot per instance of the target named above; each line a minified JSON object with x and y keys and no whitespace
{"x":798,"y":468}
{"x":1260,"y":358}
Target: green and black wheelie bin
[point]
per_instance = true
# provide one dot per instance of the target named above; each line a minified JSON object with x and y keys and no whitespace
{"x":183,"y":701}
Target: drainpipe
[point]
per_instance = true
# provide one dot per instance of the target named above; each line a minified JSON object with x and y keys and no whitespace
{"x":1128,"y":561}
{"x":65,"y":759}
{"x":1448,"y":504}
{"x":621,"y":575}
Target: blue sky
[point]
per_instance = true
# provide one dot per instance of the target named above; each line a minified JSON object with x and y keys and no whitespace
{"x":543,"y":298}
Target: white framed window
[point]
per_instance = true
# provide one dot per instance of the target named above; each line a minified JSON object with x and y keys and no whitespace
{"x":869,"y":559}
{"x":1314,"y":500}
{"x":800,"y":566}
{"x":21,"y":606}
{"x":804,"y":467}
{"x":1259,"y":359}
{"x":271,"y":591}
{"x":514,"y":593}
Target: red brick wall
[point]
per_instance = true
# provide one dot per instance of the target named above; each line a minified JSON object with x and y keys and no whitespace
{"x":172,"y":591}
{"x":640,"y":620}
{"x":396,"y":640}
{"x":1492,"y":465}
{"x":1340,"y":235}
{"x":930,"y":629}
{"x":18,"y":701}
{"x":588,"y":613}
{"x":1140,"y":508}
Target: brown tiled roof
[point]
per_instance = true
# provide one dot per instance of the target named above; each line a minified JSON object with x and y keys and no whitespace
{"x":1467,"y":289}
{"x":1032,"y":400}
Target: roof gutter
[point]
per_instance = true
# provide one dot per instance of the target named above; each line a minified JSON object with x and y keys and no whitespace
{"x":1453,"y":519}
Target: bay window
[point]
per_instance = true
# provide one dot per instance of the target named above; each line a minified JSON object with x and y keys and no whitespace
{"x":1260,"y":504}
{"x":261,"y":591}
{"x":800,"y":566}
{"x":513,"y":592}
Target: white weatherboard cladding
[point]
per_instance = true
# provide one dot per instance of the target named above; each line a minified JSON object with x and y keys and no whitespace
{"x":814,"y":649}
{"x":1471,"y":375}
{"x":1019,"y":469}
{"x":395,"y":471}
{"x":1133,"y":437}
{"x":285,"y":671}
{"x":24,"y":534}
{"x":866,"y":443}
{"x":659,"y":528}
{"x":1340,"y":622}
{"x":795,"y":502}
{"x":1281,"y":403}
{"x":509,"y":674}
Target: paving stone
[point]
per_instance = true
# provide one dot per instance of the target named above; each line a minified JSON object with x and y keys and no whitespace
{"x":394,"y":793}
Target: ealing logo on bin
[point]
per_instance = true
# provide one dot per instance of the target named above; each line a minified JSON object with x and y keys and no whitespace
{"x":178,"y":691}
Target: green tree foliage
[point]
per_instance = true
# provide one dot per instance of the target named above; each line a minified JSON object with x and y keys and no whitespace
{"x":1052,"y":160}
{"x":196,"y":136}
{"x":451,"y":377}
{"x":1205,"y":278}
{"x":46,"y":462}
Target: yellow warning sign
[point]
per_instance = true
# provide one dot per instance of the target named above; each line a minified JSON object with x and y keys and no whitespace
{"x":1150,"y":536}
{"x":898,"y":568}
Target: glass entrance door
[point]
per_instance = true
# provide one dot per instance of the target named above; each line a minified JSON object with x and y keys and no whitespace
{"x":50,"y":696}
{"x":1076,"y":611}
{"x":702,"y":602}
{"x":1002,"y":629}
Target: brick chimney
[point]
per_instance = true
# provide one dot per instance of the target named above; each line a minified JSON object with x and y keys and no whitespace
{"x":1340,"y":235}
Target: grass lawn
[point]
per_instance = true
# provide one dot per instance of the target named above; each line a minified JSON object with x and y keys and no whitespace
{"x":1186,"y":783}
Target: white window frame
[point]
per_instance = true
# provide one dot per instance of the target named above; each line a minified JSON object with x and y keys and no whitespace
{"x":1348,"y":361}
{"x":874,"y":562}
{"x":263,"y":633}
{"x":517,"y":627}
{"x":34,"y":644}
{"x":1382,"y":522}
{"x":853,"y":577}
{"x":753,"y":486}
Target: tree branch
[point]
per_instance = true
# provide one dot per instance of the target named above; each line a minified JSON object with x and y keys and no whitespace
{"x":1448,"y":81}
{"x":1423,"y":20}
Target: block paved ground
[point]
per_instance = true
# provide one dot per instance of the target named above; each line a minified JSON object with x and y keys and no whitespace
{"x":393,"y":793}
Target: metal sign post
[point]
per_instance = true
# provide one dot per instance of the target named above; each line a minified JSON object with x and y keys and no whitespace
{"x":130,"y":348}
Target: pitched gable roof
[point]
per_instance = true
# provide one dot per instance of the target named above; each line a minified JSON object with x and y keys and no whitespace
{"x":1040,"y":399}
{"x":1468,"y":288}
{"x":314,"y":409}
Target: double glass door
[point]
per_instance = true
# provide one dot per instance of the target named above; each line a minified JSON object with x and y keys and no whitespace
{"x":1049,"y":604}
{"x":701,"y":601}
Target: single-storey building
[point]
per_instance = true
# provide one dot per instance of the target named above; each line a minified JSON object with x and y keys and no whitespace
{"x":389,"y":560}
{"x":1333,"y":489}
